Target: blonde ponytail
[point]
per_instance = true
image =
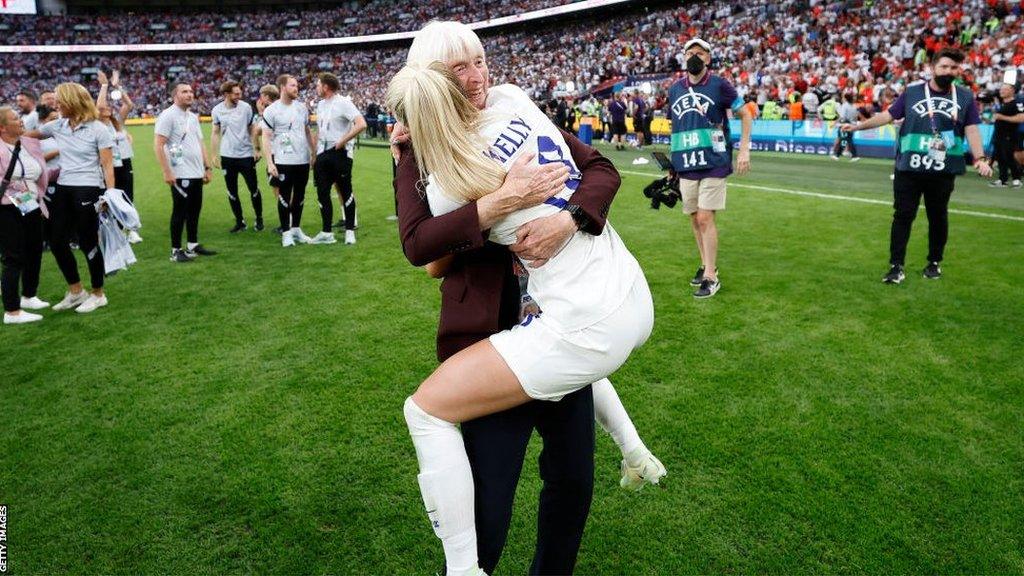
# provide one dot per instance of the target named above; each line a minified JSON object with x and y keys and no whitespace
{"x":444,"y":128}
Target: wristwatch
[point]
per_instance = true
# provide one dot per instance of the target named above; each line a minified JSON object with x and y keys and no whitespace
{"x":578,"y":215}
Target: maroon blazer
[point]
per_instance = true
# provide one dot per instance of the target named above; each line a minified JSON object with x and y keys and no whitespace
{"x":480,"y":294}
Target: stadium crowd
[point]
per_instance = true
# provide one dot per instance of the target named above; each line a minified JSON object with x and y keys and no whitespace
{"x":782,"y":52}
{"x":353,"y":19}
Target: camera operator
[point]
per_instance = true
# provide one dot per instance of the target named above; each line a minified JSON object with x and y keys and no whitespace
{"x":702,"y":152}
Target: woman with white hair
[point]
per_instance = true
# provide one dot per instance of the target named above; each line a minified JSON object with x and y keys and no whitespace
{"x":597,"y":307}
{"x":24,"y":180}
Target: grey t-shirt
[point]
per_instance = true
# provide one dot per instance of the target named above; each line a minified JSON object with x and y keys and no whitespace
{"x":235,"y":123}
{"x":30,"y":120}
{"x":334,"y":118}
{"x":184,"y":146}
{"x":125,"y":145}
{"x":79,"y":151}
{"x":287,"y":125}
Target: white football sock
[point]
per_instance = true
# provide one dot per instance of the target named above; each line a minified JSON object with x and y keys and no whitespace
{"x":612,"y":416}
{"x":446,"y":483}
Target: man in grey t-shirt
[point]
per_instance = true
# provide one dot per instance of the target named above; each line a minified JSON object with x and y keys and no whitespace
{"x":287,"y":135}
{"x":179,"y":149}
{"x":26,"y":101}
{"x":233,"y":148}
{"x":338,"y":123}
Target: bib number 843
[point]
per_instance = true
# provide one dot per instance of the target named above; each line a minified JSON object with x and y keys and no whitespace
{"x":924,"y":161}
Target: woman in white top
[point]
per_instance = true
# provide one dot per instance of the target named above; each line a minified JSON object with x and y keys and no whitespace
{"x":21,"y":212}
{"x":113,"y":118}
{"x":86,"y":169}
{"x":596,"y":304}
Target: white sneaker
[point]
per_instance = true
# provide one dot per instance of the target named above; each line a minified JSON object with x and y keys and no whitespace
{"x":1015,"y":184}
{"x":33,"y":303}
{"x":299,"y":236}
{"x":92,"y":303}
{"x":23,"y":318}
{"x":834,"y":157}
{"x":323,"y":238}
{"x":287,"y":239}
{"x":133,"y":237}
{"x":649,"y":470}
{"x":71,"y":301}
{"x":855,"y":159}
{"x":350,"y":236}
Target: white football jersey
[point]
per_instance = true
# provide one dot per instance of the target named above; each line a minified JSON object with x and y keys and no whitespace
{"x":590,"y":276}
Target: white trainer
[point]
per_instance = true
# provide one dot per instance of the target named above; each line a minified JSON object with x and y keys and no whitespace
{"x":323,"y":238}
{"x":22,"y":318}
{"x":648,"y":470}
{"x":350,"y":236}
{"x":71,"y":301}
{"x":92,"y":303}
{"x":299,"y":236}
{"x":287,"y":239}
{"x":33,"y":303}
{"x":133,"y":237}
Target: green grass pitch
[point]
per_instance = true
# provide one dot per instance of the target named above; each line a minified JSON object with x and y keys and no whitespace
{"x":242,"y":414}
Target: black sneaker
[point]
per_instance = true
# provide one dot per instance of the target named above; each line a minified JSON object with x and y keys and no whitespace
{"x":932,"y":271}
{"x":259,"y":225}
{"x":278,"y":230}
{"x":895,"y":275}
{"x":201,"y":251}
{"x":698,"y":277}
{"x":708,"y":288}
{"x":238,"y":228}
{"x":178,"y":256}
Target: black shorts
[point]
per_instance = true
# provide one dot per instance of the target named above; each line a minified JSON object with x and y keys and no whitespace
{"x":619,"y":128}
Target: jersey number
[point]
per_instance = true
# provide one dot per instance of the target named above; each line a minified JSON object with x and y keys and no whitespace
{"x":693,"y":159}
{"x":925,"y":161}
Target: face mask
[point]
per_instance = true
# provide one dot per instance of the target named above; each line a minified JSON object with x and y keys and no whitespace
{"x":944,"y":81}
{"x":695,"y":65}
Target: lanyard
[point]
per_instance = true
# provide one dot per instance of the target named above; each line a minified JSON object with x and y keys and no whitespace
{"x":328,"y":115}
{"x":21,"y":164}
{"x":701,"y":108}
{"x":931,"y":109}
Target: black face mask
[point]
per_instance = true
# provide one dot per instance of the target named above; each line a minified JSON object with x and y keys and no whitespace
{"x":944,"y":81}
{"x":695,"y":65}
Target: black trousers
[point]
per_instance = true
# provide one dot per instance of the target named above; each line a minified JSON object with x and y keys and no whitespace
{"x":845,"y":139}
{"x":124,"y":178}
{"x":291,"y":184}
{"x":908,"y":188}
{"x":496,"y":445}
{"x":21,"y":254}
{"x":247,"y":168}
{"x":1003,"y":153}
{"x":334,"y":168}
{"x":73,"y":210}
{"x":186,"y":204}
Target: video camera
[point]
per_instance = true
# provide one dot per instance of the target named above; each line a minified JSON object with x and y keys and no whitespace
{"x":663,"y":190}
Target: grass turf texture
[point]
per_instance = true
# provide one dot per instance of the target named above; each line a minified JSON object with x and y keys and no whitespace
{"x":243,"y":413}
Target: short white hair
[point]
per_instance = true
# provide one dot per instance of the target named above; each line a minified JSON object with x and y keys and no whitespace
{"x":444,"y":41}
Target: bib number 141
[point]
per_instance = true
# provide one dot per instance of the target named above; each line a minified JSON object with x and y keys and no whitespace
{"x":695,"y":158}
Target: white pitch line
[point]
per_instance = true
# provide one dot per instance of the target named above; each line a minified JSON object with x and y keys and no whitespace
{"x":847,"y":198}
